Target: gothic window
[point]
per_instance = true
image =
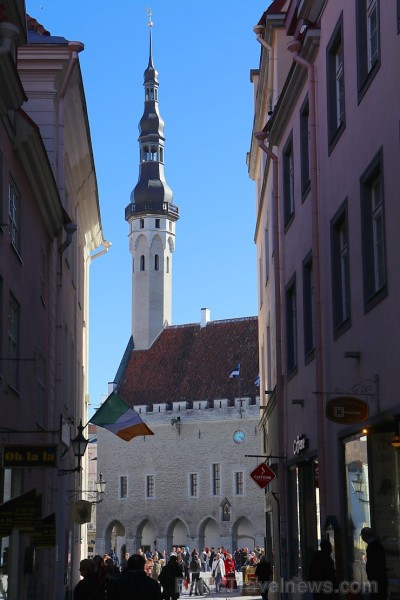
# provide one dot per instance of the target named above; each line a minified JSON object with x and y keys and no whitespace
{"x":142,"y":263}
{"x":156,"y":262}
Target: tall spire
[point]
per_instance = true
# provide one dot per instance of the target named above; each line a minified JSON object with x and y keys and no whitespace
{"x":151,"y":217}
{"x":151,"y":188}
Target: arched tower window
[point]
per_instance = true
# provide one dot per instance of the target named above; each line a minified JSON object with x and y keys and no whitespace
{"x":156,"y":262}
{"x":167,"y":266}
{"x":133,"y":265}
{"x":141,"y":223}
{"x":142,"y":263}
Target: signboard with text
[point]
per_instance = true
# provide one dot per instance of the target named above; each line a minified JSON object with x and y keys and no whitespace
{"x":346,"y":410}
{"x":22,"y":456}
{"x":262,"y":475}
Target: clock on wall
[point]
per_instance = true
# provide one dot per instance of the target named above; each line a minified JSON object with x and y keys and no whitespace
{"x":239,"y":436}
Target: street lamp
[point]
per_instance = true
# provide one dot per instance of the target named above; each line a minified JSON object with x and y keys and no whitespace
{"x":79,"y":445}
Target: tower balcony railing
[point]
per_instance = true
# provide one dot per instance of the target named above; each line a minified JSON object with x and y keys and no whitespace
{"x":152,"y":206}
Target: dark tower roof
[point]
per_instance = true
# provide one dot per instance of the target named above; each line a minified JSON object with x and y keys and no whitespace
{"x":151,"y":194}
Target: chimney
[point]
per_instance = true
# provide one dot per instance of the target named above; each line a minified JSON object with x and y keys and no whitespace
{"x":205,"y":317}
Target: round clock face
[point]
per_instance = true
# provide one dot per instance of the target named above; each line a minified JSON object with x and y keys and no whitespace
{"x":239,"y":436}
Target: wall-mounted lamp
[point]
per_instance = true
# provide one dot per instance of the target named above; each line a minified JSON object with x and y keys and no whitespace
{"x":177,"y":422}
{"x":79,"y":445}
{"x":99,"y":492}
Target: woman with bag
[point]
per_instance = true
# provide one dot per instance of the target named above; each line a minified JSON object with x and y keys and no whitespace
{"x":218,"y":571}
{"x":229,"y":565}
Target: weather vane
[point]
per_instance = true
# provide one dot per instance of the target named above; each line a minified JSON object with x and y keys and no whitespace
{"x":149,"y":14}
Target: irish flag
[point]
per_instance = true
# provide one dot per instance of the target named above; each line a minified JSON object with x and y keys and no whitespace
{"x":119,"y":418}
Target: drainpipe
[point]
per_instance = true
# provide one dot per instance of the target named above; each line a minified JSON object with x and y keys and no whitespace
{"x":261,"y":137}
{"x":295,"y":46}
{"x":258,"y":30}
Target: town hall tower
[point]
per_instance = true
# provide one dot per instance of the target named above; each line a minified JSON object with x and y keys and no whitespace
{"x":151,"y":217}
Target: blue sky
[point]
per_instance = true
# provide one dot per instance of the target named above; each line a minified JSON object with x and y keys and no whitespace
{"x":203,"y":53}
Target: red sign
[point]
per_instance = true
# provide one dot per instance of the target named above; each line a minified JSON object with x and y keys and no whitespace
{"x":262,"y":475}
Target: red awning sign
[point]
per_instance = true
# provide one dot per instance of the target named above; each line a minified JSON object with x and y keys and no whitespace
{"x":262,"y":475}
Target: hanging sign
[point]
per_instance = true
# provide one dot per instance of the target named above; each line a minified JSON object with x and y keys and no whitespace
{"x":262,"y":475}
{"x":21,"y":456}
{"x":346,"y":410}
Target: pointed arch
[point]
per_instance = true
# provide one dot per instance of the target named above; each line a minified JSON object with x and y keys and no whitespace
{"x":209,"y":533}
{"x":243,"y":533}
{"x":146,"y":533}
{"x":171,"y":244}
{"x":177,"y":533}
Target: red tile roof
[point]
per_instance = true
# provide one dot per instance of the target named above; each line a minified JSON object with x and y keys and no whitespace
{"x":33,"y":25}
{"x":193,"y":363}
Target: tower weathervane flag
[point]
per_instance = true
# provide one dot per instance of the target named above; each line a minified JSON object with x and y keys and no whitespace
{"x":149,"y":15}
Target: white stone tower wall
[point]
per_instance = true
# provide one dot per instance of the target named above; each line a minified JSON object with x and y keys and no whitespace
{"x":151,"y":289}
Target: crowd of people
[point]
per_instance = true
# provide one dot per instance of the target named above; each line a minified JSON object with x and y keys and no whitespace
{"x":161,"y":576}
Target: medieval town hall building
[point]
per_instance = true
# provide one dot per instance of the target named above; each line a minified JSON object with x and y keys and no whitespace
{"x":188,"y":484}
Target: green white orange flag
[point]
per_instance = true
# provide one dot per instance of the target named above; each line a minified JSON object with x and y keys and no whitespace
{"x":119,"y":418}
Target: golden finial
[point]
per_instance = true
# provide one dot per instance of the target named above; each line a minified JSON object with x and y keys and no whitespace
{"x":149,"y":15}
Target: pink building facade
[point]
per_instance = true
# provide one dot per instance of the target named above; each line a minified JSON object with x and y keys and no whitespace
{"x":325,"y":161}
{"x":50,"y":227}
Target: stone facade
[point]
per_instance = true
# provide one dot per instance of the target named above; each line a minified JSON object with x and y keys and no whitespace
{"x":186,"y":442}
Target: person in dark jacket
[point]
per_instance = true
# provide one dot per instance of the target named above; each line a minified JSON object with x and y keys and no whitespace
{"x":322,"y":570}
{"x":134,"y":583}
{"x":90,"y":587}
{"x":263,"y":574}
{"x":376,"y":564}
{"x":170,"y":578}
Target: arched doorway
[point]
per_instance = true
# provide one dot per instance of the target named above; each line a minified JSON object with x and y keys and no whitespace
{"x":243,"y":534}
{"x":209,"y":533}
{"x":177,"y":534}
{"x":115,"y":538}
{"x":146,"y":536}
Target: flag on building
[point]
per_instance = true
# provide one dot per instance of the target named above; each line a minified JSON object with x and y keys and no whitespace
{"x":119,"y":418}
{"x":235,"y":372}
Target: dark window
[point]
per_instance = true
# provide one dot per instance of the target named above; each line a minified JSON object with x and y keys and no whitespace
{"x":142,"y":263}
{"x":308,"y":305}
{"x":216,"y":479}
{"x":123,"y":486}
{"x":150,"y":486}
{"x":368,"y":43}
{"x":291,"y":326}
{"x":340,"y":271}
{"x":193,"y":484}
{"x":305,"y":149}
{"x":335,"y":84}
{"x":239,"y":483}
{"x":156,"y":262}
{"x":288,"y":182}
{"x":14,"y":312}
{"x":141,"y":223}
{"x":398,"y":16}
{"x":373,"y":233}
{"x":14,"y":216}
{"x":157,"y":223}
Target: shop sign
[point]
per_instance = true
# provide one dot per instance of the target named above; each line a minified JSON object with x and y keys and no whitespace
{"x":346,"y":410}
{"x":300,"y":444}
{"x":22,"y":456}
{"x":262,"y":475}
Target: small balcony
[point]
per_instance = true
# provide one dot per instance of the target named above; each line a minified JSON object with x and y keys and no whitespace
{"x":152,"y":207}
